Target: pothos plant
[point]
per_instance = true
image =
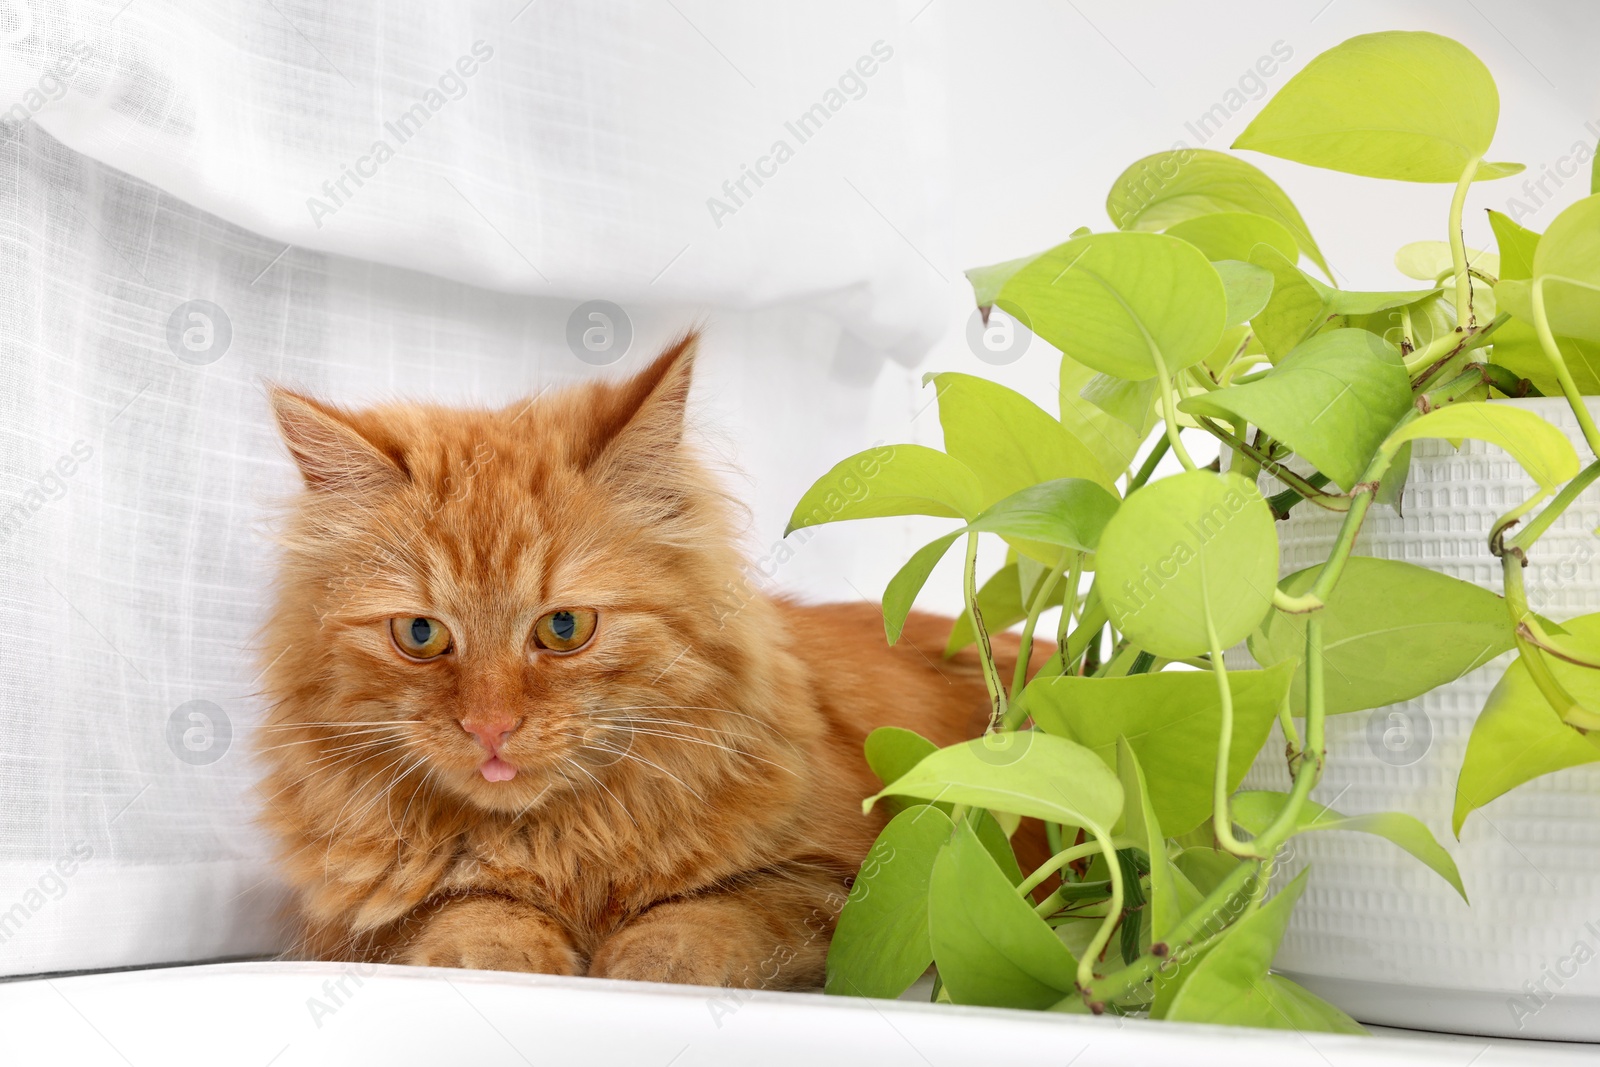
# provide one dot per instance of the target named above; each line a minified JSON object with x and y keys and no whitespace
{"x":1195,"y":317}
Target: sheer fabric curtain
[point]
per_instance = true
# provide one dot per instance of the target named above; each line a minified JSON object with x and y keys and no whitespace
{"x":193,"y":200}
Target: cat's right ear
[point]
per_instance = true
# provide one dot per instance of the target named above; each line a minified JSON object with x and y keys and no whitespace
{"x":331,"y":453}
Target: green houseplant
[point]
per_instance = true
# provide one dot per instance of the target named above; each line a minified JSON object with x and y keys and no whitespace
{"x":1194,"y":316}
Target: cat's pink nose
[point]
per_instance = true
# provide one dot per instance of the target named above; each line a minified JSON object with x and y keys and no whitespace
{"x":491,"y":733}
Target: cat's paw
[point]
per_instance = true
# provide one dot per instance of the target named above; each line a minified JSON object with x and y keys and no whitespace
{"x":667,"y":949}
{"x":489,"y":934}
{"x":709,"y":942}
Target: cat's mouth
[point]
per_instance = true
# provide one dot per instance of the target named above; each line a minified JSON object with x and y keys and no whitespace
{"x":495,"y":769}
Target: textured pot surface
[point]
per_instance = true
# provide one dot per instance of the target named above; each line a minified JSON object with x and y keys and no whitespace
{"x":1377,"y":932}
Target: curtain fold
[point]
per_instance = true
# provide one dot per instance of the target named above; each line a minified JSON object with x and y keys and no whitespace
{"x":649,"y":152}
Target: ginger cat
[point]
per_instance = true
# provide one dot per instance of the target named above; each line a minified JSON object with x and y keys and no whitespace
{"x":509,"y":730}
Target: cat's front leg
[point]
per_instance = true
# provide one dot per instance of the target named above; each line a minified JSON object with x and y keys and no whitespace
{"x":770,"y":933}
{"x":493,"y":934}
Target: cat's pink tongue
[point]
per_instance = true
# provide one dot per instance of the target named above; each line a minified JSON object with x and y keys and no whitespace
{"x":495,"y":769}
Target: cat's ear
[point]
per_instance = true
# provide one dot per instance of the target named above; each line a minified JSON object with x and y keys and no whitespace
{"x":642,"y":420}
{"x":331,"y":453}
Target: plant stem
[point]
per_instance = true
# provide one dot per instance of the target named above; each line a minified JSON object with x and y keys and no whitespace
{"x":1569,"y":492}
{"x":1331,"y":501}
{"x":1072,"y":891}
{"x":1572,"y":712}
{"x":1102,"y":936}
{"x":1069,"y":602}
{"x":1054,"y":864}
{"x":1447,"y":346}
{"x":1497,"y":532}
{"x":1221,"y":820}
{"x":1169,"y":412}
{"x":991,"y":673}
{"x":1466,"y":316}
{"x":1471,"y":378}
{"x":1291,"y":735}
{"x":1284,"y":502}
{"x":1191,"y":930}
{"x":1040,"y":599}
{"x":1569,"y":388}
{"x":1148,"y":467}
{"x":1312,"y":755}
{"x":1509,"y":384}
{"x":1360,"y":501}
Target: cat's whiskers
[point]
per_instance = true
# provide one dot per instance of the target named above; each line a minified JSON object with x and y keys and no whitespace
{"x":338,"y":821}
{"x":426,"y":783}
{"x":333,"y":722}
{"x":710,"y":744}
{"x":705,"y":707}
{"x":344,"y":757}
{"x":366,"y":737}
{"x":632,"y":720}
{"x":399,"y":834}
{"x":574,"y":763}
{"x":631,"y":755}
{"x":351,"y":753}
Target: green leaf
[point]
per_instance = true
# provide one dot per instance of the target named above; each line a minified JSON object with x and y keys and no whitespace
{"x":1519,"y":736}
{"x":1025,"y":772}
{"x":908,"y":582}
{"x":1007,"y":440}
{"x":1119,"y":301}
{"x":1517,"y":349}
{"x":1296,"y":308}
{"x":1187,"y":549}
{"x":1300,"y":305}
{"x":990,"y":947}
{"x":1333,"y":399}
{"x":890,"y":480}
{"x":1206,"y":868}
{"x":1516,"y":244}
{"x":881,"y":946}
{"x":1516,"y":344}
{"x":996,"y":843}
{"x":1065,"y":512}
{"x":893,"y":750}
{"x":1566,"y":266}
{"x":1164,"y":189}
{"x":1391,"y":631}
{"x":1141,"y":825}
{"x":987,"y":281}
{"x":1257,"y":810}
{"x":1232,"y":234}
{"x":1431,"y":318}
{"x":1410,"y":106}
{"x":1133,"y":404}
{"x":1113,"y":440}
{"x":1248,"y":288}
{"x":1542,"y":450}
{"x":1432,"y":261}
{"x":1231,"y":984}
{"x":1172,"y":720}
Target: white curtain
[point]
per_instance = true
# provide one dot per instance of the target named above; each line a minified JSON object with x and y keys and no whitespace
{"x":167,"y":242}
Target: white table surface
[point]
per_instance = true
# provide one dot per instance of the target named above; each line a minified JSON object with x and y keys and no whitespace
{"x":283,"y":1014}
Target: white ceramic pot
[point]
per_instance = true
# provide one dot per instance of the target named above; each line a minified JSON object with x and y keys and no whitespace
{"x":1379,"y":934}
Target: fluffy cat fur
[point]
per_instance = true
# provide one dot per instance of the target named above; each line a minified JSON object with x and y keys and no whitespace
{"x":687,"y":802}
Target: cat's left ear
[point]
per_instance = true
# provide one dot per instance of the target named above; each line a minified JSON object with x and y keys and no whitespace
{"x":331,"y":452}
{"x":642,"y":421}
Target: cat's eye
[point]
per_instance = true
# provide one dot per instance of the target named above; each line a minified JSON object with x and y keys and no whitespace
{"x":566,"y":630}
{"x":420,"y":637}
